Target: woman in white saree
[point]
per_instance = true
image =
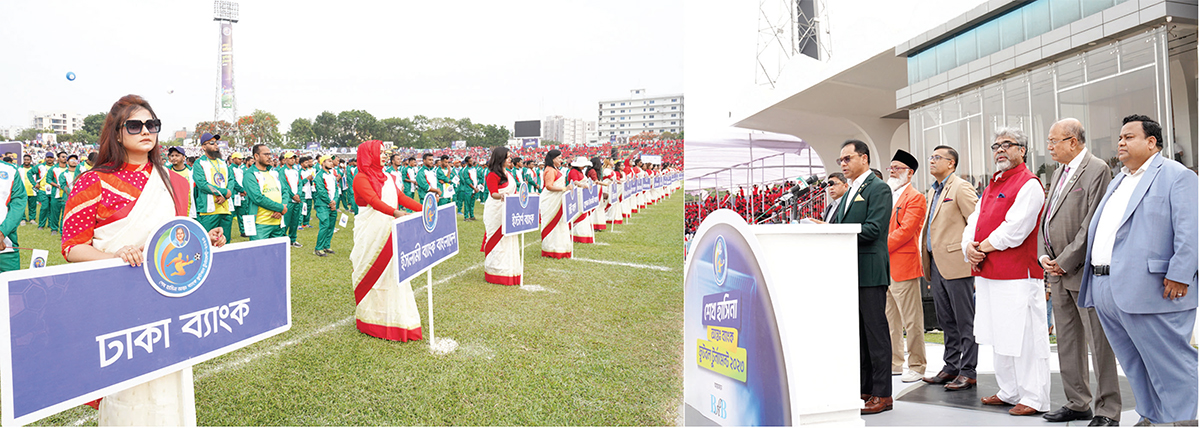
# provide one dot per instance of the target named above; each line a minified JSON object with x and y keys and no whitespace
{"x":110,"y":213}
{"x":502,"y":262}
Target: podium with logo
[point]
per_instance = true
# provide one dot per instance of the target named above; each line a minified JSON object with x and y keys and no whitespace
{"x":771,"y":324}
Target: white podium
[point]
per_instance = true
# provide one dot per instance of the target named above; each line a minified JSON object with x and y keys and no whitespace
{"x":813,"y":282}
{"x":771,"y":324}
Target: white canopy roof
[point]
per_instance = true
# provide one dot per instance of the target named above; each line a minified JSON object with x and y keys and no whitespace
{"x":732,"y":157}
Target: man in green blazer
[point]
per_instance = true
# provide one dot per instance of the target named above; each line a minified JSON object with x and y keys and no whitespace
{"x":869,"y":203}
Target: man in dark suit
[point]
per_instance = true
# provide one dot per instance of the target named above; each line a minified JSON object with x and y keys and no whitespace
{"x":836,"y":186}
{"x":1075,"y":191}
{"x":869,"y":203}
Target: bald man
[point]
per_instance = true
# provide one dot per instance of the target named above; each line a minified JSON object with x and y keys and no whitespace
{"x":1075,"y":191}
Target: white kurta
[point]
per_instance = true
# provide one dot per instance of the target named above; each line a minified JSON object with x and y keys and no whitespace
{"x":1010,"y":315}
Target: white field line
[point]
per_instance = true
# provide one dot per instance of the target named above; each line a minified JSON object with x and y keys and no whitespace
{"x":634,"y":265}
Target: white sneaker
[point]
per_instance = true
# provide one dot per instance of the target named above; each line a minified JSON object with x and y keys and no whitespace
{"x":910,"y":376}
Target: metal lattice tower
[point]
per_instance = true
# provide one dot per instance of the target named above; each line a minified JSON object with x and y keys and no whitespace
{"x":813,"y":37}
{"x":787,"y":28}
{"x":225,"y":105}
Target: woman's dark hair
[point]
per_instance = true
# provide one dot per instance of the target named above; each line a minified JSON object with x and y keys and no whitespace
{"x":112,"y":156}
{"x":550,"y":155}
{"x":496,"y":163}
{"x":598,"y":166}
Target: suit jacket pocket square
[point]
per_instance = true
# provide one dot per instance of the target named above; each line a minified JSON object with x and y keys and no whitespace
{"x":1077,"y":190}
{"x":1001,"y":196}
{"x":948,"y":200}
{"x":859,"y":198}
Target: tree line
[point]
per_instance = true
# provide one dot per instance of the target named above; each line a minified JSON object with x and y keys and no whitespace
{"x":344,"y":129}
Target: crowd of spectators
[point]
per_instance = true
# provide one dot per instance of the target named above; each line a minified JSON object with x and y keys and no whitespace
{"x":758,"y":204}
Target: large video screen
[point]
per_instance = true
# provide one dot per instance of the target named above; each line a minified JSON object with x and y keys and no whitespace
{"x":527,"y":128}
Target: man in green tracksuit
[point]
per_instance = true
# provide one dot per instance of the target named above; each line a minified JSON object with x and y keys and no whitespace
{"x":350,"y":172}
{"x":11,"y":216}
{"x":444,"y":181}
{"x":291,"y":191}
{"x":307,"y":173}
{"x":427,"y":177}
{"x":57,"y":197}
{"x":235,"y":176}
{"x":265,"y":192}
{"x":44,"y":190}
{"x":326,"y":205}
{"x":210,"y":174}
{"x":29,"y":180}
{"x":467,"y":183}
{"x":66,"y":179}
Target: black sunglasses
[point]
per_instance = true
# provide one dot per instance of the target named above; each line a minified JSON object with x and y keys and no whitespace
{"x":134,"y":127}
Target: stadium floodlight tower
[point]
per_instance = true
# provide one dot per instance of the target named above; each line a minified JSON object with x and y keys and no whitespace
{"x":226,"y":14}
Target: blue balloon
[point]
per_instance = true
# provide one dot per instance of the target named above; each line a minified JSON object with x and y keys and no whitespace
{"x":71,"y":75}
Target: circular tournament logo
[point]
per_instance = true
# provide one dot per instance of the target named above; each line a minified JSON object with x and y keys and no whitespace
{"x":429,"y":211}
{"x":39,"y":262}
{"x":178,"y":257}
{"x":219,"y":179}
{"x":227,"y":31}
{"x":523,"y":197}
{"x":720,"y":260}
{"x":3,"y":175}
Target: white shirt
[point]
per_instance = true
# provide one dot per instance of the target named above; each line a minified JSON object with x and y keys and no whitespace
{"x":1018,"y":221}
{"x":1055,"y":192}
{"x":896,"y":194}
{"x":1111,"y":213}
{"x":854,"y":185}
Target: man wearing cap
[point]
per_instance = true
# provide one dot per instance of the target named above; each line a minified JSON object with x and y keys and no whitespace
{"x":1000,"y":243}
{"x":904,"y":312}
{"x":236,"y":175}
{"x":326,"y":205}
{"x":179,"y":167}
{"x":44,"y":190}
{"x":291,"y":190}
{"x":211,"y":183}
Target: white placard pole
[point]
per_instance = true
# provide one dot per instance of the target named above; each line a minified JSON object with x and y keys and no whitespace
{"x":429,"y":295}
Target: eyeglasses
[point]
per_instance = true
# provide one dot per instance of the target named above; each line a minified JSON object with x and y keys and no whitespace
{"x":134,"y":127}
{"x":1053,"y":142}
{"x":831,"y":183}
{"x":936,"y":158}
{"x":897,"y":168}
{"x":844,"y":159}
{"x":1005,"y":145}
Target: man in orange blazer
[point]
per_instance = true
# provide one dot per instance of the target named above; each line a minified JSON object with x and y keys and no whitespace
{"x":904,"y":312}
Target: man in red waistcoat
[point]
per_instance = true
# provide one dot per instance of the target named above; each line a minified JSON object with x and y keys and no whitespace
{"x":1000,"y":243}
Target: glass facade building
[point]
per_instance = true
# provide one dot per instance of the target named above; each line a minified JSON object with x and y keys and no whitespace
{"x":1099,"y":86}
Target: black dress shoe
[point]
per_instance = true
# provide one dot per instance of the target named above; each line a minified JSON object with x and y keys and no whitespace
{"x":1104,"y":421}
{"x":1064,"y":414}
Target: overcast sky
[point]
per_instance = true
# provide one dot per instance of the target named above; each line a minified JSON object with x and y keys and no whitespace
{"x":492,"y":61}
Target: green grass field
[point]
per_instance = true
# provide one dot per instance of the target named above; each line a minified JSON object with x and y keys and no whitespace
{"x":601,"y":344}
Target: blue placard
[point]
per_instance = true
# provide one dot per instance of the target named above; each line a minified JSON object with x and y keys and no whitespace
{"x":422,"y":240}
{"x":571,"y":204}
{"x":521,"y":213}
{"x":73,"y":333}
{"x":734,"y":367}
{"x":590,"y":198}
{"x":628,"y":189}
